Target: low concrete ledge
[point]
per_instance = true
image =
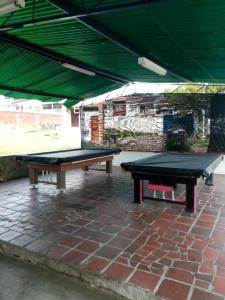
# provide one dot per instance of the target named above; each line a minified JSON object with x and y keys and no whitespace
{"x":10,"y":168}
{"x":93,"y":279}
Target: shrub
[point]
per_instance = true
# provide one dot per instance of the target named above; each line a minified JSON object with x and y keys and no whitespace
{"x":126,"y":133}
{"x":177,"y":143}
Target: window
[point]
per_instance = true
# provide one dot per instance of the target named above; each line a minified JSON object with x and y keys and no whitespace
{"x":57,"y":106}
{"x":74,"y":118}
{"x":47,"y":106}
{"x":142,"y":109}
{"x":119,"y":109}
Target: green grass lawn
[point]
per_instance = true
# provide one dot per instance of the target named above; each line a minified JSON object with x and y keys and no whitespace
{"x":199,"y":144}
{"x":15,"y":142}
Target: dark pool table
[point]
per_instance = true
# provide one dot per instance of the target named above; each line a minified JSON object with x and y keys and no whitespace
{"x":168,"y":169}
{"x":61,"y":161}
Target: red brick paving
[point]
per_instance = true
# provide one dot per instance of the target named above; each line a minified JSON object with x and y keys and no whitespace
{"x":180,"y":275}
{"x":145,"y":280}
{"x":194,"y":255}
{"x":57,"y":251}
{"x":70,"y":241}
{"x":95,"y":225}
{"x":219,"y":285}
{"x":118,"y":272}
{"x":221,"y":260}
{"x":119,"y":242}
{"x":100,"y":237}
{"x":221,"y":271}
{"x":210,"y":253}
{"x":88,"y":246}
{"x":69,"y":228}
{"x":74,"y":257}
{"x":95,"y":264}
{"x":186,"y":265}
{"x":204,"y":295}
{"x":108,"y":252}
{"x":202,"y":284}
{"x":173,"y":290}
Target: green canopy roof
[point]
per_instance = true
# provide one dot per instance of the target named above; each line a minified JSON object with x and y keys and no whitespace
{"x":107,"y":38}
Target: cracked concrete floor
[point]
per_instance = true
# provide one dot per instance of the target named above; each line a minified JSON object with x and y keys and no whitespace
{"x":22,"y":281}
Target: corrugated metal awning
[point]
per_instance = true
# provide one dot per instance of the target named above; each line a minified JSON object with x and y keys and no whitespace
{"x":106,"y":38}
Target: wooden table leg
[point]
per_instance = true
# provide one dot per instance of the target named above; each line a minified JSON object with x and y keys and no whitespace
{"x":86,"y":168}
{"x":109,"y":166}
{"x":33,"y":176}
{"x":61,"y":180}
{"x":138,"y":190}
{"x":191,"y":197}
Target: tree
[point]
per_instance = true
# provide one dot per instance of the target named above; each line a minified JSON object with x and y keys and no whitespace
{"x":192,"y":97}
{"x":203,"y":101}
{"x":217,"y":124}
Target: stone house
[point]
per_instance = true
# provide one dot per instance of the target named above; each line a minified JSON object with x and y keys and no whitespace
{"x":136,"y":122}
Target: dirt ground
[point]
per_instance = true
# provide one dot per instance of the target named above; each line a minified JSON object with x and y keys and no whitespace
{"x":15,"y":140}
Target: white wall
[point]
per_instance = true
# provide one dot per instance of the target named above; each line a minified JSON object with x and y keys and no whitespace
{"x":133,"y":121}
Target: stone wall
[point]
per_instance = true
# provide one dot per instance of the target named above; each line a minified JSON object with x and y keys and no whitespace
{"x":31,"y":120}
{"x":134,"y":121}
{"x":87,"y":124}
{"x":142,"y":143}
{"x":10,"y":168}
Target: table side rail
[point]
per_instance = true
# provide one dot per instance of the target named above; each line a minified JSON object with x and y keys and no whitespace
{"x":164,"y":178}
{"x":70,"y":165}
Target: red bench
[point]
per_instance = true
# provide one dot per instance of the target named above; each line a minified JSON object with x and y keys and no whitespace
{"x":163,"y":188}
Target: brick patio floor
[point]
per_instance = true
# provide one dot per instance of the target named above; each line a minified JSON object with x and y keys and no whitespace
{"x":95,"y":225}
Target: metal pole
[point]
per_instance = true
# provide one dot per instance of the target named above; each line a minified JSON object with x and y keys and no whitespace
{"x":82,"y":126}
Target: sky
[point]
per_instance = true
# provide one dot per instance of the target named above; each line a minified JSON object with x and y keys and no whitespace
{"x":131,"y":89}
{"x":127,"y":90}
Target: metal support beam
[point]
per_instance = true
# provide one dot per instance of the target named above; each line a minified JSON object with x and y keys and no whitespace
{"x":107,"y":33}
{"x":29,"y":23}
{"x":64,"y":7}
{"x":18,"y":42}
{"x":94,"y":12}
{"x":31,"y":92}
{"x":124,"y":6}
